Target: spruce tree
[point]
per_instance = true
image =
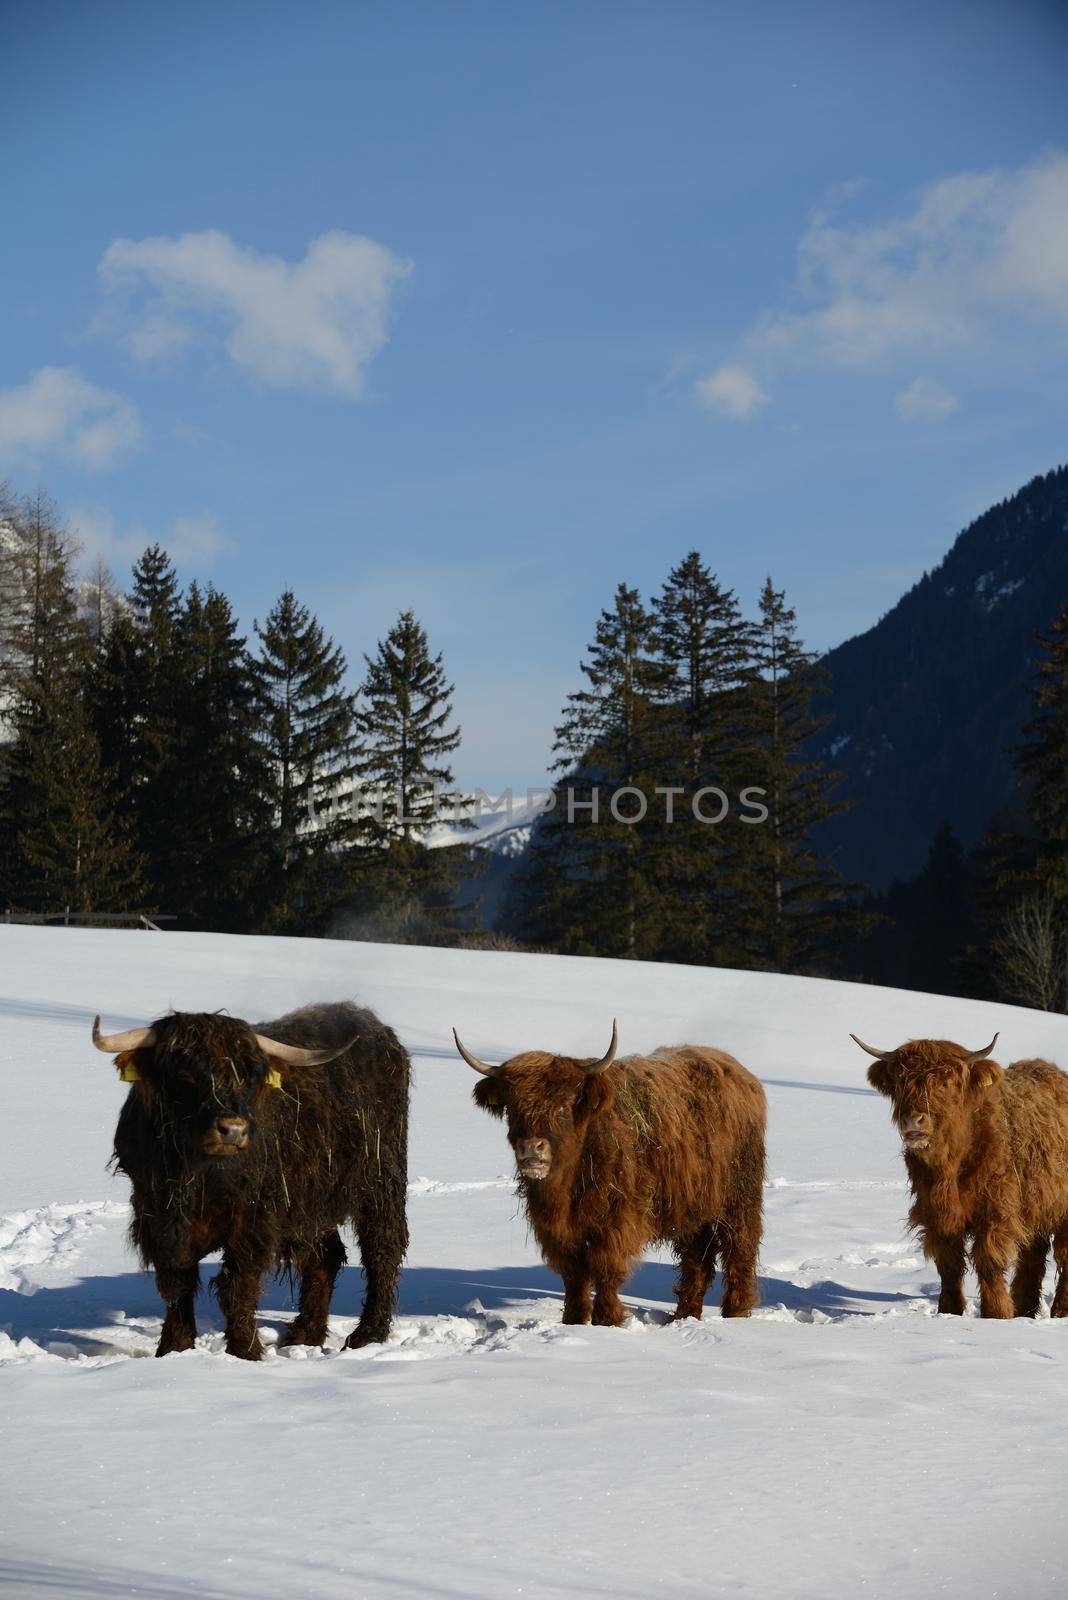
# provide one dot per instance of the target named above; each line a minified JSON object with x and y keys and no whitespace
{"x":704,"y":643}
{"x":405,"y":889}
{"x":74,"y":849}
{"x":147,"y":688}
{"x":794,"y":912}
{"x":308,"y":720}
{"x":211,"y":865}
{"x":99,"y":602}
{"x":1024,"y":897}
{"x":595,"y":884}
{"x":1042,"y":761}
{"x":61,"y":842}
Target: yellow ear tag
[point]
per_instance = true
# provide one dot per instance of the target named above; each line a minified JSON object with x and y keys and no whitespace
{"x":274,"y":1079}
{"x":128,"y":1073}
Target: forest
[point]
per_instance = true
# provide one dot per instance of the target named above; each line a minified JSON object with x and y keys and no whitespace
{"x":154,"y":758}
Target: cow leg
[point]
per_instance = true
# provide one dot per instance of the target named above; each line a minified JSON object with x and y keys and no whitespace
{"x":319,"y":1268}
{"x":739,"y":1242}
{"x":1059,"y":1308}
{"x":178,"y":1287}
{"x":609,"y":1275}
{"x":383,"y":1239}
{"x":990,"y":1255}
{"x":1027,"y":1279}
{"x":237,"y":1288}
{"x":697,"y":1267}
{"x":576,"y":1276}
{"x":948,"y":1256}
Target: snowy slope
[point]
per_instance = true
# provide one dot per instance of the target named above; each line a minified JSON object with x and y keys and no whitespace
{"x":843,"y":1441}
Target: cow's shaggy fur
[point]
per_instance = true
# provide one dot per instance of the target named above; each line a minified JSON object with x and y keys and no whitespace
{"x":994,"y":1174}
{"x":326,"y":1148}
{"x":664,"y":1148}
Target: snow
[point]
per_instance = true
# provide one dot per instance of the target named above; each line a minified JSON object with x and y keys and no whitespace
{"x":990,"y":592}
{"x":844,"y":1441}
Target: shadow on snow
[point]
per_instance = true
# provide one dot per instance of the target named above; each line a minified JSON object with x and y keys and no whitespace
{"x":77,"y":1313}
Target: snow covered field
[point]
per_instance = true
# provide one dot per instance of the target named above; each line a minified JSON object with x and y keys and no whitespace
{"x":843,"y":1442}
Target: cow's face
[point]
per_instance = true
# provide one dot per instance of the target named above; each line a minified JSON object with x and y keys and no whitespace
{"x":203,"y":1082}
{"x":934,"y":1092}
{"x":547,"y":1103}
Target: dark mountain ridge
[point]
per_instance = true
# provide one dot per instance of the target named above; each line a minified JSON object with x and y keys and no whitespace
{"x":928,"y":706}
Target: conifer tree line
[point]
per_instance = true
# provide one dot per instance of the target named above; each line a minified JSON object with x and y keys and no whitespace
{"x":992,"y":922}
{"x":687,"y":700}
{"x":152,"y":758}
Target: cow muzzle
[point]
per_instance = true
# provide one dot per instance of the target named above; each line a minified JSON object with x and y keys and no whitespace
{"x":227,"y":1136}
{"x":916,"y":1135}
{"x":534,"y":1157}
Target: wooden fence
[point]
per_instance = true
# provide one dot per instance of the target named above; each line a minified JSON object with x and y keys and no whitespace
{"x":88,"y":919}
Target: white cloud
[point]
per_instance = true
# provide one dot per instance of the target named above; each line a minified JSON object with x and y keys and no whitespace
{"x":313,"y":324}
{"x":925,"y":400}
{"x":58,"y":412}
{"x":978,"y":257}
{"x":975,"y":248}
{"x":194,"y":542}
{"x":731,"y":391}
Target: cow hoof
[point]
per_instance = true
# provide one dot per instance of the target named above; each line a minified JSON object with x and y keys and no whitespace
{"x":301,"y":1336}
{"x":361,"y":1336}
{"x":174,"y":1344}
{"x":246,"y":1352}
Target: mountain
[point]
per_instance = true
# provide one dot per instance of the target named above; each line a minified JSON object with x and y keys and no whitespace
{"x":928,"y":705}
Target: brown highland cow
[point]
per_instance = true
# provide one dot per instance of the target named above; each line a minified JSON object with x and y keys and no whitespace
{"x":986,"y":1151}
{"x":262,"y":1142}
{"x":615,"y":1155}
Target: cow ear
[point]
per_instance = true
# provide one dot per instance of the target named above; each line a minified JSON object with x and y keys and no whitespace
{"x":595,"y":1096}
{"x":277,"y":1072}
{"x":984,"y":1074}
{"x":881,"y":1077}
{"x":135,"y":1067}
{"x":488,"y":1093}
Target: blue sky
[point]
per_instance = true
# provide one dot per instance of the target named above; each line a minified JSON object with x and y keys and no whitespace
{"x":482,"y":308}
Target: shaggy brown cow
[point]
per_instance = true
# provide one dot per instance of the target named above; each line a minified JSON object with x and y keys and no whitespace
{"x":614,"y":1155}
{"x":986,"y":1152}
{"x":261,"y":1142}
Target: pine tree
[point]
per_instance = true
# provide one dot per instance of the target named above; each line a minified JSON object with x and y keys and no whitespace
{"x":99,"y":602}
{"x":146,"y":688}
{"x":308,"y":731}
{"x":41,"y":627}
{"x":1043,"y":761}
{"x":794,"y":913}
{"x":404,"y":888}
{"x":594,"y":883}
{"x":1025,"y":884}
{"x":116,"y":703}
{"x":61,"y":842}
{"x":74,"y":849}
{"x":211,"y":866}
{"x":704,"y":643}
{"x":924,"y":932}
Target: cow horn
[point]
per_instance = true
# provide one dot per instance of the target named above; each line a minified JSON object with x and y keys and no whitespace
{"x":472,"y":1061}
{"x":981,"y":1055}
{"x":294,"y":1056}
{"x":114,"y":1044}
{"x":880,"y":1055}
{"x":607,"y":1059}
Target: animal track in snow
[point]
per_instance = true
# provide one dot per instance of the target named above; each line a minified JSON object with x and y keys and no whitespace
{"x":47,"y":1237}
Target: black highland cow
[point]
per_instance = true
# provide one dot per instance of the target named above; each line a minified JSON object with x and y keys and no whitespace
{"x":261,"y":1142}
